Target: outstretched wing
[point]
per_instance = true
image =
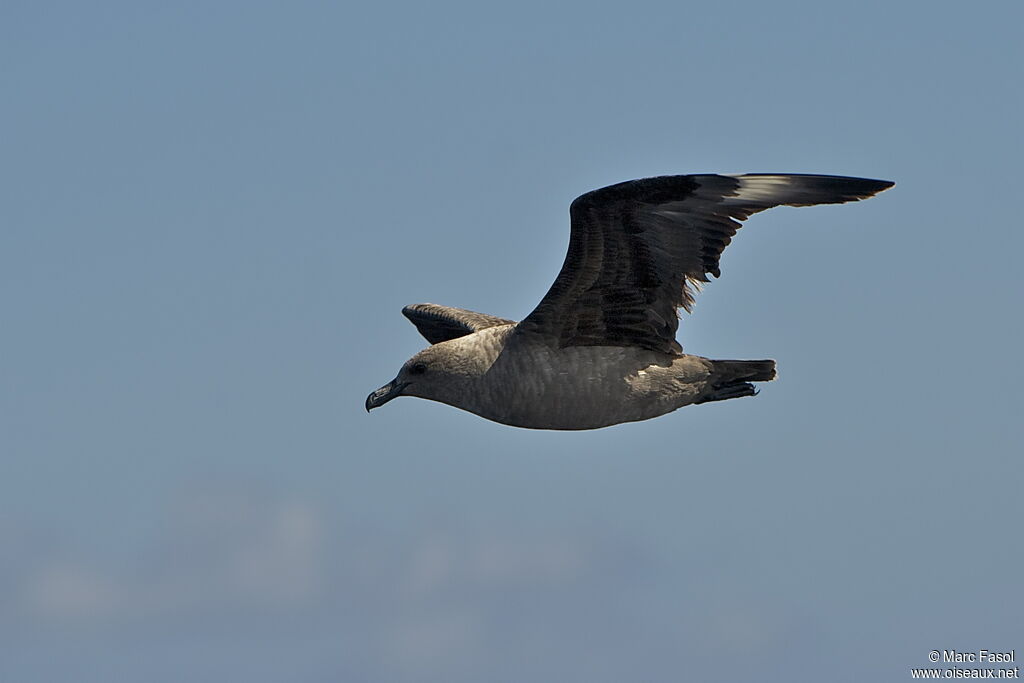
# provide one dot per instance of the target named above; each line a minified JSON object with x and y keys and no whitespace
{"x":639,"y":250}
{"x":441,"y":323}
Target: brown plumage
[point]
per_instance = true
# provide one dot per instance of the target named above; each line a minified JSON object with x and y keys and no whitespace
{"x":441,"y":323}
{"x":639,"y":250}
{"x":600,"y":347}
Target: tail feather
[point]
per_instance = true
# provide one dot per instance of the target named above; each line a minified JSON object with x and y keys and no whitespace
{"x":731,"y":371}
{"x":732,"y":379}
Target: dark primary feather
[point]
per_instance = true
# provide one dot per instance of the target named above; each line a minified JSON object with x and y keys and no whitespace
{"x":441,"y":323}
{"x":638,"y":251}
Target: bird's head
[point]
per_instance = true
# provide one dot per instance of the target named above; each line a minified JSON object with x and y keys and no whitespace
{"x":439,"y":373}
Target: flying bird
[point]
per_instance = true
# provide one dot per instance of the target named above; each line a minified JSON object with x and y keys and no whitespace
{"x":600,"y":348}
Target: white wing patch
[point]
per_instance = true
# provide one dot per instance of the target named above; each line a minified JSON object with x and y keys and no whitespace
{"x":764,"y":188}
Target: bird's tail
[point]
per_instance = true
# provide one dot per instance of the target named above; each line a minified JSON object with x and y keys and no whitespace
{"x":729,"y":371}
{"x":732,"y":378}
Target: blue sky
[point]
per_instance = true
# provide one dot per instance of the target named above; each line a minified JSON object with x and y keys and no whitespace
{"x":213,"y":213}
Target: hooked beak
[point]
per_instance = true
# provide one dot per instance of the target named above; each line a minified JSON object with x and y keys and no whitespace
{"x":387,"y":392}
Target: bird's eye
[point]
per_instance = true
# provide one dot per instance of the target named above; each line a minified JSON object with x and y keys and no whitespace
{"x":418,"y":369}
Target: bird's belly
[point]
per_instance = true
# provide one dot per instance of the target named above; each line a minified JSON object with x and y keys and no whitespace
{"x":560,"y":403}
{"x":588,"y":388}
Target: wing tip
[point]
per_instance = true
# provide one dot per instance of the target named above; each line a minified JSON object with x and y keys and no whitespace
{"x":804,"y":189}
{"x":412,"y":309}
{"x":870,"y":187}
